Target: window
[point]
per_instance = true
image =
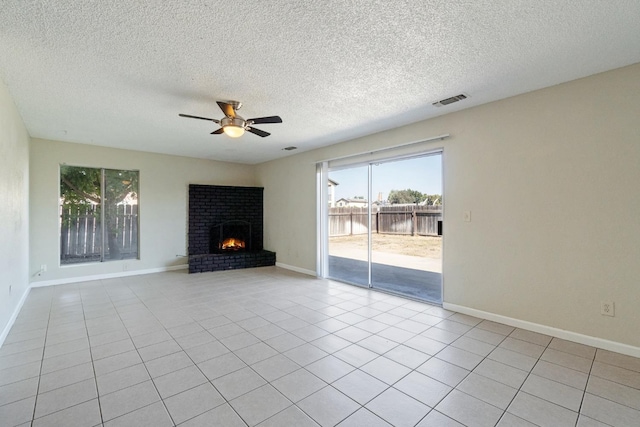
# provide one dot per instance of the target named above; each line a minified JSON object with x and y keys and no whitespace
{"x":98,"y":214}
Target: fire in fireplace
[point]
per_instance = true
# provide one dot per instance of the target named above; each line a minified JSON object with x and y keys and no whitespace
{"x":233,"y":244}
{"x":231,"y":236}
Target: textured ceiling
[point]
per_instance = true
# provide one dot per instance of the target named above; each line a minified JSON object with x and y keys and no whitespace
{"x":117,"y":73}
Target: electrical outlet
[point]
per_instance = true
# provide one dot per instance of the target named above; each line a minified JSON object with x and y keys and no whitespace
{"x":466,"y":216}
{"x":43,"y":268}
{"x":607,"y":308}
{"x":125,"y":266}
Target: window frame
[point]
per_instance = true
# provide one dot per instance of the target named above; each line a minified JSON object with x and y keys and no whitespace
{"x":103,"y":245}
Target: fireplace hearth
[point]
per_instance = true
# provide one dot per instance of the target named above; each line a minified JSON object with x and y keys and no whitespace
{"x":226,"y":228}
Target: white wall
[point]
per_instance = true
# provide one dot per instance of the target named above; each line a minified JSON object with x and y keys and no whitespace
{"x":14,"y":209}
{"x":164,"y":182}
{"x":552,"y":180}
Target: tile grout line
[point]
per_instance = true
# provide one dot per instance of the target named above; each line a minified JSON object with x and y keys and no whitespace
{"x":95,"y":376}
{"x":584,"y":392}
{"x":44,"y":347}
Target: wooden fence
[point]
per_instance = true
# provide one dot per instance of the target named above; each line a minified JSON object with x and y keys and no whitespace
{"x":394,"y":219}
{"x":81,"y":233}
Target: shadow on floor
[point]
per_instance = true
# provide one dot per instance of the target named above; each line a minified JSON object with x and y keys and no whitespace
{"x":419,"y":284}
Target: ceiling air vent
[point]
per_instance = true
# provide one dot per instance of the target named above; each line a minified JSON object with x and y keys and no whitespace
{"x":450,"y":100}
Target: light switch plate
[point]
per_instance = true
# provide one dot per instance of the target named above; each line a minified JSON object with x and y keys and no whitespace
{"x":467,"y":216}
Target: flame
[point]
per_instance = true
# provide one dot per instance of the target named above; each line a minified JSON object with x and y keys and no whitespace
{"x":233,"y":244}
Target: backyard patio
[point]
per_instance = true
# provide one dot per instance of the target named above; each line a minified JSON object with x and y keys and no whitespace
{"x":409,"y":265}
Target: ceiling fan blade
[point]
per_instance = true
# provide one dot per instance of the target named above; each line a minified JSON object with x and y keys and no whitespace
{"x":270,"y":119}
{"x":198,"y":117}
{"x":227,"y":109}
{"x":217,"y":132}
{"x":258,"y":132}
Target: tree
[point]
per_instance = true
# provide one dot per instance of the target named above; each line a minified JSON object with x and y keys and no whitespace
{"x":80,"y":186}
{"x":433,"y":200}
{"x":412,"y":196}
{"x":405,"y":196}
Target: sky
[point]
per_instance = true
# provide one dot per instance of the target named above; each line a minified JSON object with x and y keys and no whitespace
{"x":423,"y":174}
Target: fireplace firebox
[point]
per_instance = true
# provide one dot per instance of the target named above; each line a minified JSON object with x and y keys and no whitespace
{"x":230,"y":236}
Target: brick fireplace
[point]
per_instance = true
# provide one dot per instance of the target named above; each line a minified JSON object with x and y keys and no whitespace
{"x":226,"y":228}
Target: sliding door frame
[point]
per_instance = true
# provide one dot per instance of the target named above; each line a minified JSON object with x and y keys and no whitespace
{"x":323,"y":168}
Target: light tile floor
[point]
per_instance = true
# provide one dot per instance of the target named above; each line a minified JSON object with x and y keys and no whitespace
{"x":270,"y":347}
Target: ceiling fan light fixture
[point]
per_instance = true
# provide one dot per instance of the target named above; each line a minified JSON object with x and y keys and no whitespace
{"x":233,"y":126}
{"x":233,"y":131}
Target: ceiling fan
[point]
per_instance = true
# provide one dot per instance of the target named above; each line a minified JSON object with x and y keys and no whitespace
{"x":234,"y":125}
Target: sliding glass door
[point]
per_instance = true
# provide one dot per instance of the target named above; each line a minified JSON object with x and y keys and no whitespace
{"x":384,"y":225}
{"x":348,"y":220}
{"x":406,"y":247}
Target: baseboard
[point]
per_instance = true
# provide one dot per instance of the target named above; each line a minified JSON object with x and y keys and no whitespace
{"x":296,"y":269}
{"x":107,"y":276}
{"x":604,"y":344}
{"x":14,"y":316}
